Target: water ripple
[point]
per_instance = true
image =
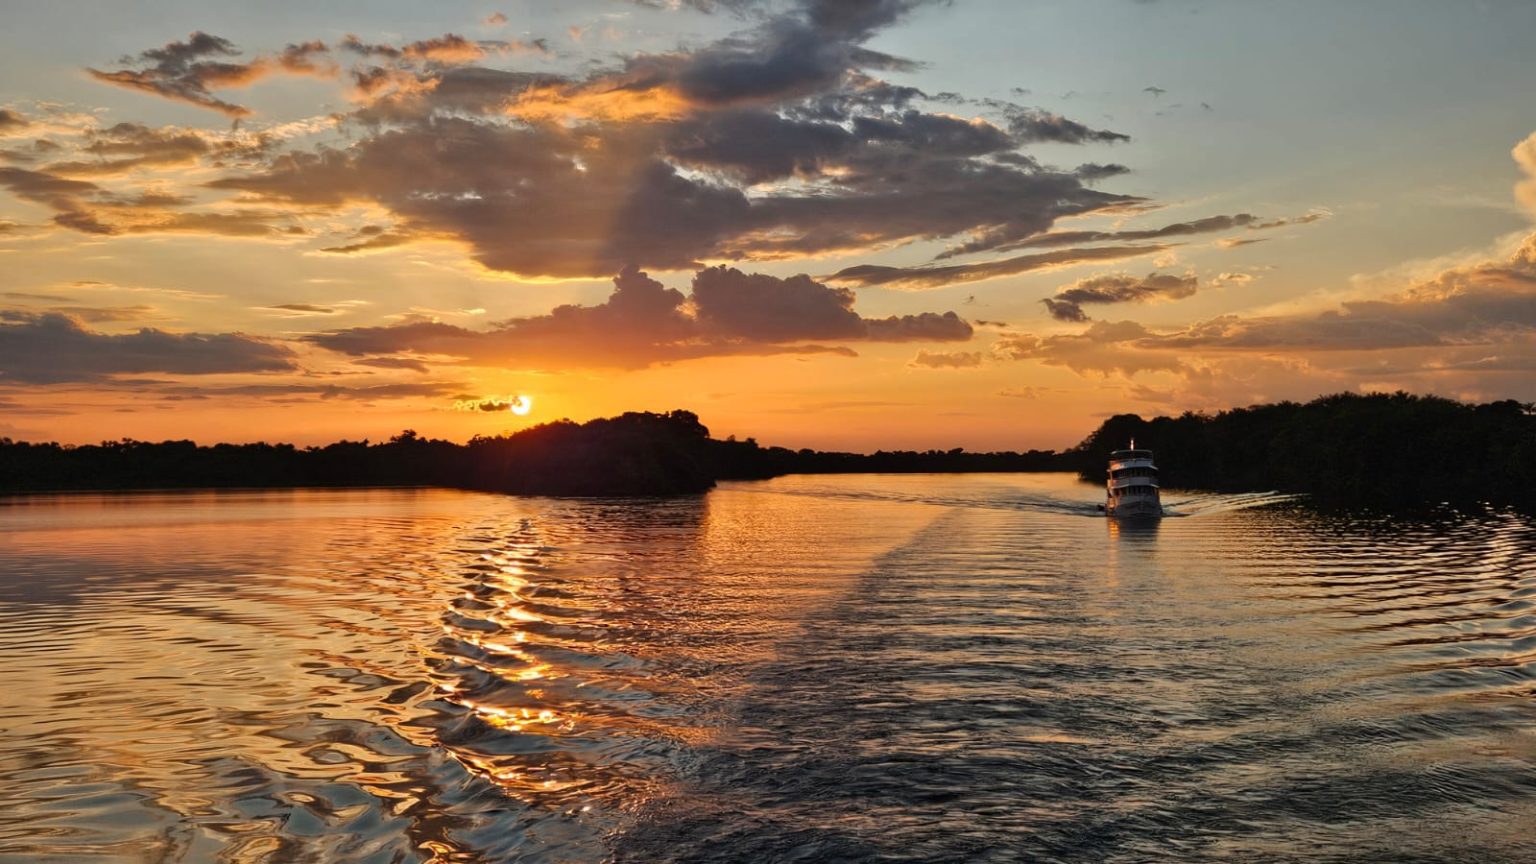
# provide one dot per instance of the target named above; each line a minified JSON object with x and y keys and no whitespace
{"x":892,"y":668}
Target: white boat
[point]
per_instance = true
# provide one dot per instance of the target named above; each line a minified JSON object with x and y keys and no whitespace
{"x":1132,"y":487}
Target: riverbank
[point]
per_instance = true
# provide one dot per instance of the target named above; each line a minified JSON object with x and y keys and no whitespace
{"x":1385,"y":452}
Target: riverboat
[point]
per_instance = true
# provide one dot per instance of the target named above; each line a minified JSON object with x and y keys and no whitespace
{"x":1132,"y":489}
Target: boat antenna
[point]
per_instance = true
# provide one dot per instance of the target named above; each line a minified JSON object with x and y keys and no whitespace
{"x":1133,"y":443}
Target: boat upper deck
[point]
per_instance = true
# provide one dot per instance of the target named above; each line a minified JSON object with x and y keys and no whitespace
{"x":1124,"y":455}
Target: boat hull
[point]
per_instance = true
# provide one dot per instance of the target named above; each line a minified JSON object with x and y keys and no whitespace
{"x":1135,"y":509}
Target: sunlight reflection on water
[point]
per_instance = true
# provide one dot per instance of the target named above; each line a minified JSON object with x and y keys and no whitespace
{"x":837,"y":668}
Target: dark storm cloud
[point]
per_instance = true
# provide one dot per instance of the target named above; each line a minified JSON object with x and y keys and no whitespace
{"x":932,"y":134}
{"x":859,"y":19}
{"x":542,"y":200}
{"x":1069,"y":301}
{"x":522,"y":197}
{"x":729,"y":312}
{"x":764,"y":308}
{"x":791,"y":60}
{"x":773,"y":143}
{"x":796,"y":55}
{"x":931,"y":276}
{"x":757,"y":146}
{"x":37,"y":348}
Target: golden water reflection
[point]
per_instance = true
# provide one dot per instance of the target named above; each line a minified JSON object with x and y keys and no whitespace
{"x":869,"y":667}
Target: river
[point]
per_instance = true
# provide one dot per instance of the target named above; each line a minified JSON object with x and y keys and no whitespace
{"x":840,"y":668}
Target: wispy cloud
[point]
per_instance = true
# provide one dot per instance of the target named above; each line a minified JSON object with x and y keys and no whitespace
{"x":1069,"y":301}
{"x":937,"y":276}
{"x":188,"y":71}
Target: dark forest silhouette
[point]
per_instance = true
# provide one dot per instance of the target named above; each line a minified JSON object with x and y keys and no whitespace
{"x":1383,"y":451}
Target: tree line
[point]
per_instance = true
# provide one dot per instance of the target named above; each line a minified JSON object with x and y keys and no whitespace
{"x":1384,"y":451}
{"x":638,"y":453}
{"x":1388,"y":451}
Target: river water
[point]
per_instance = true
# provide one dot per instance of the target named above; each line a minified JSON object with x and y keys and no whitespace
{"x":858,"y":668}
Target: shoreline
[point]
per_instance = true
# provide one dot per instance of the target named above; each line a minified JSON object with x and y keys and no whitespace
{"x":1378,"y":452}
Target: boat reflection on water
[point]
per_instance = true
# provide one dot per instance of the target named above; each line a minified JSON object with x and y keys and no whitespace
{"x":1132,"y":555}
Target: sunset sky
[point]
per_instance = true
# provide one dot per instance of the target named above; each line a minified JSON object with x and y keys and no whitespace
{"x":856,"y":225}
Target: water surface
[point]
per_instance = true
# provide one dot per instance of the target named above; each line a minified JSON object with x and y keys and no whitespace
{"x":860,"y":668}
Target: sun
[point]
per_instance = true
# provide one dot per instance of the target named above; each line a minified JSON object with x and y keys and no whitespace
{"x":521,"y":406}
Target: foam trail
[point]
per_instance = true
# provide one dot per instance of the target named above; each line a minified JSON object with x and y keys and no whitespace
{"x":1077,"y":499}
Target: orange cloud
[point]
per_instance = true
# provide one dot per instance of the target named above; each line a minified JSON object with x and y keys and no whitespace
{"x":448,"y":48}
{"x":643,"y":322}
{"x":180,"y":71}
{"x":612,"y":100}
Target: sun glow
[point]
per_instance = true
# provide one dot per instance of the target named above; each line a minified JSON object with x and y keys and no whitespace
{"x":521,"y":406}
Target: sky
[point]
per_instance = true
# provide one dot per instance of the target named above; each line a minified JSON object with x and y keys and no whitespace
{"x":842,"y":224}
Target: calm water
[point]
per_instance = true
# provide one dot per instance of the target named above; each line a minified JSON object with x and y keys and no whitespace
{"x":894,"y":668}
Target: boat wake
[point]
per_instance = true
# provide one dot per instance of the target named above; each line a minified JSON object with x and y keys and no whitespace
{"x":1066,"y":498}
{"x":1210,"y":503}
